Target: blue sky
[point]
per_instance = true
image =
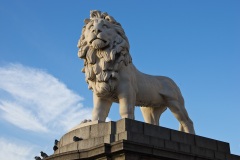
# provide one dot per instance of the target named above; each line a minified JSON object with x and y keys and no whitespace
{"x":43,"y":92}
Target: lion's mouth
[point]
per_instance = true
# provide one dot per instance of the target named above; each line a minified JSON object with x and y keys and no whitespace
{"x":98,"y":39}
{"x":98,"y":43}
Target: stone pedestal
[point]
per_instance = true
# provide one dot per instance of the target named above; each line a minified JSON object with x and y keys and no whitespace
{"x":133,"y":140}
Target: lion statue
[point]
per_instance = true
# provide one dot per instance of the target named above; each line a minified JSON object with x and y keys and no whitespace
{"x":112,"y":77}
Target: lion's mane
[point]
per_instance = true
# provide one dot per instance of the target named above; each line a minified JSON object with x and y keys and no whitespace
{"x":101,"y":66}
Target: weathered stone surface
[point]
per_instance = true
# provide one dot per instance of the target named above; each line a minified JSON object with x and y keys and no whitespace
{"x":203,"y":152}
{"x":102,"y":129}
{"x":134,"y":137}
{"x":164,"y":153}
{"x":129,"y":139}
{"x":156,"y":142}
{"x":126,"y":157}
{"x":104,"y":47}
{"x":171,"y":145}
{"x":220,"y":155}
{"x":72,"y":155}
{"x":233,"y":157}
{"x":129,"y":125}
{"x":223,"y":147}
{"x":206,"y":142}
{"x":69,"y":147}
{"x":182,"y":137}
{"x":67,"y":138}
{"x":184,"y":148}
{"x":109,"y":138}
{"x":98,"y":150}
{"x":83,"y":132}
{"x":136,"y":147}
{"x":81,"y":125}
{"x":86,"y":143}
{"x":156,"y":131}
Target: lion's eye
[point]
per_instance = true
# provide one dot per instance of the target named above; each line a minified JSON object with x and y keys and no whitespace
{"x":107,"y":18}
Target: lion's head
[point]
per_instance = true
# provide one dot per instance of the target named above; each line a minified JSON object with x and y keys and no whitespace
{"x":105,"y":49}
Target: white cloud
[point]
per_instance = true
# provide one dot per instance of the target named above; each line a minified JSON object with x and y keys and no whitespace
{"x":19,"y":116}
{"x":34,"y":100}
{"x":12,"y":151}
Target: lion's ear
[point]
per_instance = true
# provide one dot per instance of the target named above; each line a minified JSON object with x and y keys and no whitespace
{"x":86,"y":21}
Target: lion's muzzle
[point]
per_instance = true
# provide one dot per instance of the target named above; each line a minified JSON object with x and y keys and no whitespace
{"x":98,"y":43}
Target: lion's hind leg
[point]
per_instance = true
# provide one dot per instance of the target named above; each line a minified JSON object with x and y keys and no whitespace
{"x":152,"y":114}
{"x":180,"y":112}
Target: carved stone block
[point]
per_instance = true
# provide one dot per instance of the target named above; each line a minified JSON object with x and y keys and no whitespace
{"x":128,"y":140}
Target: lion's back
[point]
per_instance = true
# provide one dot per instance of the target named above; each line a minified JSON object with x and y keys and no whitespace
{"x":170,"y":89}
{"x":156,"y":89}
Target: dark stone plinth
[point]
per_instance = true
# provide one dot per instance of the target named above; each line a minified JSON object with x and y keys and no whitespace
{"x":133,"y":140}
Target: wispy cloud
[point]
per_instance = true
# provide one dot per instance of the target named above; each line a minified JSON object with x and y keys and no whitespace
{"x":20,"y":116}
{"x":12,"y":151}
{"x":32,"y":99}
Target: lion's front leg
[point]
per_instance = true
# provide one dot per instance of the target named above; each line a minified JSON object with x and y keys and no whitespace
{"x":127,"y":101}
{"x":101,"y":108}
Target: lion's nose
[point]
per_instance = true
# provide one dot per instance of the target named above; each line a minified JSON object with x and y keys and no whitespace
{"x":96,"y":30}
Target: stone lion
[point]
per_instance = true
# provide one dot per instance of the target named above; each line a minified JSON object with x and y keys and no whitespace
{"x":112,"y":77}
